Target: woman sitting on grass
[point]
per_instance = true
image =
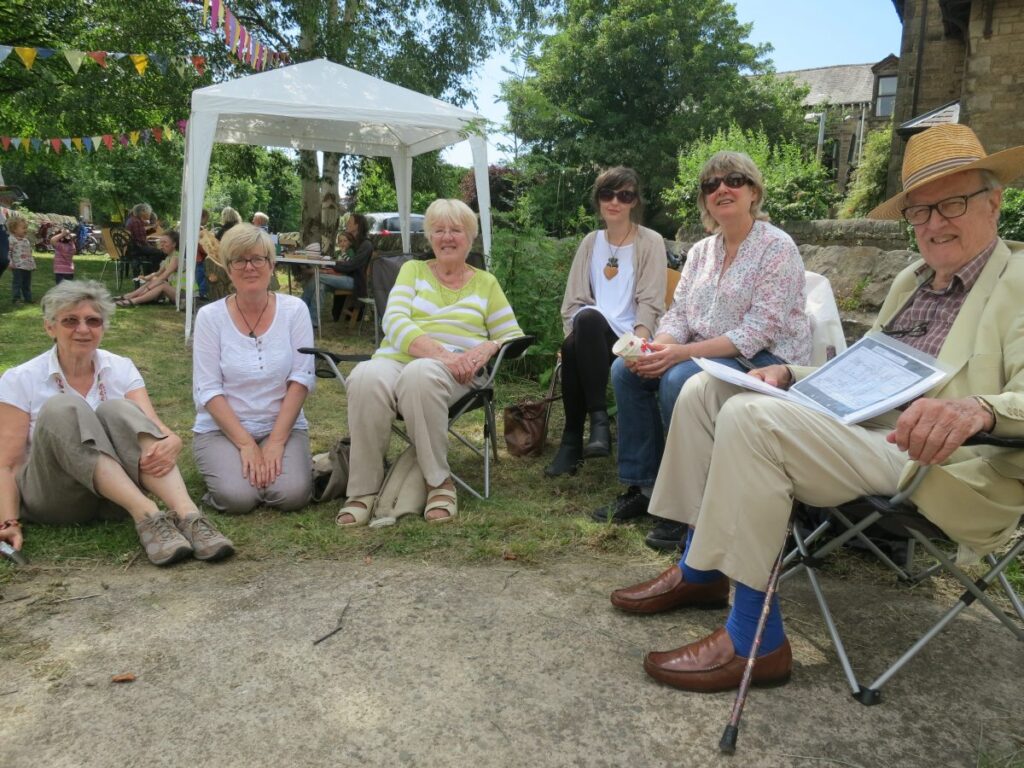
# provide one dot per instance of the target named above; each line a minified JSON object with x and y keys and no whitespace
{"x":80,"y":441}
{"x":163,"y":283}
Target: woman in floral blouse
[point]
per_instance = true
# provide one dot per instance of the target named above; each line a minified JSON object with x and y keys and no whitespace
{"x":740,"y":297}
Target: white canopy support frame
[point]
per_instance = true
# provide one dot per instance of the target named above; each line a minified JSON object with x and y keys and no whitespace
{"x":320,"y":105}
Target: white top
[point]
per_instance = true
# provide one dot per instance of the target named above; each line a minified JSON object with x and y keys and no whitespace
{"x":253,"y":374}
{"x":614,"y":298}
{"x":28,"y":386}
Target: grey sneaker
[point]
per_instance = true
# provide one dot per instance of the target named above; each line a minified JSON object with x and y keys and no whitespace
{"x":161,"y":540}
{"x":207,"y":542}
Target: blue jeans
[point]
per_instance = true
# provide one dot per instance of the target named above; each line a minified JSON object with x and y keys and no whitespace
{"x":645,"y":410}
{"x":201,"y":278}
{"x":327,"y":282}
{"x":21,"y":284}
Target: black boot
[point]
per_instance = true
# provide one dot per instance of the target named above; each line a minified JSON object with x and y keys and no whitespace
{"x":600,"y":443}
{"x":569,"y":456}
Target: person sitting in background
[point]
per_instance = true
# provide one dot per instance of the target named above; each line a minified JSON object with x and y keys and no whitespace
{"x":616,"y":284}
{"x":229,"y":217}
{"x":201,"y":284}
{"x":63,"y":255}
{"x":142,"y":257}
{"x":80,"y":440}
{"x":740,"y":299}
{"x":261,"y":220}
{"x":735,"y":460}
{"x":347,"y":273}
{"x":162,"y":284}
{"x":444,"y":321}
{"x":249,"y":383}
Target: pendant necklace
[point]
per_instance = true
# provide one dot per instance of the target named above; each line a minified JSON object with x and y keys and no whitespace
{"x":611,"y":267}
{"x":252,"y":328}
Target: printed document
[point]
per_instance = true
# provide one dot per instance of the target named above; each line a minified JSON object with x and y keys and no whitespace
{"x":875,"y":375}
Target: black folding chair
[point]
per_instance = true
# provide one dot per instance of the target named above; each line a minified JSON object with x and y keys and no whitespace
{"x":897,"y":516}
{"x":479,"y":397}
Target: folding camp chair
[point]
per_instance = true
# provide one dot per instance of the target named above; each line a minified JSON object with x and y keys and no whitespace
{"x":479,"y":397}
{"x":898,"y":516}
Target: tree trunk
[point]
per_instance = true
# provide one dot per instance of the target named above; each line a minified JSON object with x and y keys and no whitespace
{"x":329,"y":209}
{"x":310,"y":176}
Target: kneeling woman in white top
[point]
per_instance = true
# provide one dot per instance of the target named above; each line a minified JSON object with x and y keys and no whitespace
{"x":249,"y":384}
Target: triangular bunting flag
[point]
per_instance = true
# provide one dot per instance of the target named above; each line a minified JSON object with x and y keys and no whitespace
{"x":91,"y":142}
{"x":206,"y":10}
{"x":27,"y":56}
{"x":78,"y":143}
{"x":123,"y":138}
{"x":117,"y":56}
{"x":66,"y":143}
{"x":145,"y":135}
{"x":215,"y":14}
{"x":36,"y":144}
{"x":199,"y":62}
{"x":108,"y":141}
{"x":100,"y":57}
{"x":16,"y":142}
{"x":159,"y":61}
{"x":75,"y":59}
{"x":55,"y":143}
{"x":158,"y":134}
{"x":181,"y":64}
{"x":141,"y":62}
{"x":182,"y":126}
{"x":243,"y":41}
{"x":6,"y":142}
{"x":44,"y":53}
{"x":133,"y":137}
{"x":5,"y":51}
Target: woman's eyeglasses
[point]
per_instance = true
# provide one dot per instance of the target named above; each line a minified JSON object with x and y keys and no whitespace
{"x":625,"y":196}
{"x":73,"y":322}
{"x":258,"y":262}
{"x":733,"y":180}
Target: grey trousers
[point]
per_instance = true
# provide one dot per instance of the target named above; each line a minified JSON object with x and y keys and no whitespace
{"x":380,"y":389}
{"x":229,"y":491}
{"x":56,"y":483}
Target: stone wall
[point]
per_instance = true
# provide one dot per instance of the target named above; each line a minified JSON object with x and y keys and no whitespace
{"x":887,"y":235}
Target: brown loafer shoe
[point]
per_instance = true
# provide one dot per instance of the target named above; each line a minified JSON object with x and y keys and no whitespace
{"x":668,"y":591}
{"x":711,"y":665}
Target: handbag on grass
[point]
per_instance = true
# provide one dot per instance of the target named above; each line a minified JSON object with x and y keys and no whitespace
{"x":330,"y":471}
{"x":526,"y":426}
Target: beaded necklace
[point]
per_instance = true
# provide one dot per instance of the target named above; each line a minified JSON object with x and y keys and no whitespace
{"x":102,"y":388}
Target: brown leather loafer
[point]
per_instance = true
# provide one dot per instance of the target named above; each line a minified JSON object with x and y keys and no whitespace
{"x":669,"y":591}
{"x":711,"y":665}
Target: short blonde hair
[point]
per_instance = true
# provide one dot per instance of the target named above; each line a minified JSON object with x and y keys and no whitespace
{"x":241,"y":239}
{"x":722,"y":164}
{"x":452,"y":212}
{"x":230,"y":215}
{"x":14,"y":219}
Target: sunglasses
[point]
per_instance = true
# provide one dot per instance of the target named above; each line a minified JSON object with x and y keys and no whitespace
{"x":733,"y":180}
{"x":73,"y":322}
{"x":625,"y":196}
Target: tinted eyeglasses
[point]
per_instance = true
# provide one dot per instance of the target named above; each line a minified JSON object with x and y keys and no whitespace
{"x":239,"y":264}
{"x":915,"y":330}
{"x":733,"y":180}
{"x":950,"y":208}
{"x":625,"y":196}
{"x":71,"y":322}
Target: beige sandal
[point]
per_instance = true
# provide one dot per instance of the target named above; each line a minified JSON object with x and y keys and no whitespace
{"x":360,"y":515}
{"x":449,"y":504}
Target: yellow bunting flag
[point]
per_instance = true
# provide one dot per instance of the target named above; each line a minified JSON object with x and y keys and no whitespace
{"x":75,"y":59}
{"x":141,"y":61}
{"x":77,"y":143}
{"x":133,"y":137}
{"x":27,"y":56}
{"x":206,"y":10}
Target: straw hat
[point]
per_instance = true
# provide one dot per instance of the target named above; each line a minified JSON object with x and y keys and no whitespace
{"x":942,"y":151}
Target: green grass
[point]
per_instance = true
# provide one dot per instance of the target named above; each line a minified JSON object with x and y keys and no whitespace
{"x":528,"y":517}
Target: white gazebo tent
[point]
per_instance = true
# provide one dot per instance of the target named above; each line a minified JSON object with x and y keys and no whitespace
{"x":320,"y":105}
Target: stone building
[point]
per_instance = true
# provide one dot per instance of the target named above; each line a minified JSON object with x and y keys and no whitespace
{"x":847,"y":101}
{"x":960,"y":61}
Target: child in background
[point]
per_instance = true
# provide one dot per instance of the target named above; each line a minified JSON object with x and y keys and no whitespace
{"x":22,"y":261}
{"x":63,"y":253}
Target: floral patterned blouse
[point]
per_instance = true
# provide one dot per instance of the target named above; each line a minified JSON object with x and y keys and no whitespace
{"x":758,"y":303}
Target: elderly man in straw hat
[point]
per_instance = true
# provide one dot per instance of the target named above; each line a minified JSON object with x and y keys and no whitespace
{"x":734,"y":460}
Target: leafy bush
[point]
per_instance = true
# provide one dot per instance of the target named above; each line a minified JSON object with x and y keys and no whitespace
{"x":1011,"y":218}
{"x":532,"y":269}
{"x":796,"y":187}
{"x":868,"y":187}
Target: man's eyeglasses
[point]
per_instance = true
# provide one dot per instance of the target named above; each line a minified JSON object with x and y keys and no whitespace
{"x":257,"y":263}
{"x":733,"y":180}
{"x":625,"y":196}
{"x":73,"y":322}
{"x":950,"y":208}
{"x":915,"y":330}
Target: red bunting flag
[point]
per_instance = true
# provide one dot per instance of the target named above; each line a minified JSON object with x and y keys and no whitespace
{"x":100,"y":57}
{"x":158,"y":134}
{"x":55,"y":143}
{"x":108,"y":141}
{"x":6,"y":141}
{"x":199,"y":62}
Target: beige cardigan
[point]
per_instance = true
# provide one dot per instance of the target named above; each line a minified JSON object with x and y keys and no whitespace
{"x":648,"y":266}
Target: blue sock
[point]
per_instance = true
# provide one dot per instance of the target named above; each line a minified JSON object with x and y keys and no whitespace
{"x":692,"y":575}
{"x":742,"y":622}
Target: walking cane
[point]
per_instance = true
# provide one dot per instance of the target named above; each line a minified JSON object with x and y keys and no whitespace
{"x":727,"y":745}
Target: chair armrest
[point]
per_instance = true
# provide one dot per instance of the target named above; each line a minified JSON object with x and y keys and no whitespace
{"x":330,"y":361}
{"x":512,"y":349}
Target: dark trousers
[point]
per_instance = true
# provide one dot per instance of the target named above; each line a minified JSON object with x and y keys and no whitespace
{"x":21,"y":284}
{"x":4,"y":249}
{"x":586,"y":359}
{"x":58,"y":278}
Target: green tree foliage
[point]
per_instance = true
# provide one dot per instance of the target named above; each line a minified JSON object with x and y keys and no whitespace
{"x":796,"y":186}
{"x":629,"y":82}
{"x":252,"y":179}
{"x":868,"y":187}
{"x":431,"y":179}
{"x":1011,"y":217}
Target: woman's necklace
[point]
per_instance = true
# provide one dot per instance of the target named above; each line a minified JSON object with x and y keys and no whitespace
{"x":454,"y":283}
{"x":611,"y":267}
{"x":252,"y":328}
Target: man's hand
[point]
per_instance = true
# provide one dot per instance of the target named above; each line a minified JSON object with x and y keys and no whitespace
{"x":777,"y":375}
{"x":931,"y":429}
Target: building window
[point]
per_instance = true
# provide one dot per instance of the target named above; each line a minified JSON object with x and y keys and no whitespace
{"x":886,"y":99}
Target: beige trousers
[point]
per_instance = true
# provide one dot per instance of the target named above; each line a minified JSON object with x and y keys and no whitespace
{"x":380,"y":389}
{"x":734,"y":461}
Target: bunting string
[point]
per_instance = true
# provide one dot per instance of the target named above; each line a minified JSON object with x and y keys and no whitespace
{"x":87,"y":144}
{"x":139,"y":61}
{"x":239,"y":40}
